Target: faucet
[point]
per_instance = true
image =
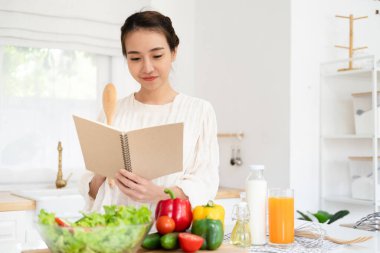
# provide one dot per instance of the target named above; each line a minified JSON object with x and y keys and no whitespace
{"x":60,"y":182}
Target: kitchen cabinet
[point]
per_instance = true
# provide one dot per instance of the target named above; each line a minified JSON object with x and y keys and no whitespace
{"x":339,"y":138}
{"x":19,"y":210}
{"x":14,"y":226}
{"x":16,"y":217}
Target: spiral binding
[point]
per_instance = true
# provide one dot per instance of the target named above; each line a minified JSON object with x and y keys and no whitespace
{"x":125,"y":150}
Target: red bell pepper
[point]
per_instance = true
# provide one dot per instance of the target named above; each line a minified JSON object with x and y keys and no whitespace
{"x":178,"y":209}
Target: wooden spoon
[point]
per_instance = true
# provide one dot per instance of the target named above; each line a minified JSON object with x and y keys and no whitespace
{"x":312,"y":235}
{"x":109,"y":102}
{"x":109,"y":107}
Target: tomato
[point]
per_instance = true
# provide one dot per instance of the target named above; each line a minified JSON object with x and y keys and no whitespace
{"x":190,"y":242}
{"x":165,"y":225}
{"x":61,"y":222}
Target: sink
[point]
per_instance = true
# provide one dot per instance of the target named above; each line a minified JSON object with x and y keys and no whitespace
{"x":66,"y":202}
{"x":38,"y":194}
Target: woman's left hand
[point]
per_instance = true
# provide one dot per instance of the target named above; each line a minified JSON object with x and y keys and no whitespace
{"x":138,"y":188}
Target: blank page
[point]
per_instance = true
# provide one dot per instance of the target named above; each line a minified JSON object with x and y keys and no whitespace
{"x":156,"y":151}
{"x":101,"y":146}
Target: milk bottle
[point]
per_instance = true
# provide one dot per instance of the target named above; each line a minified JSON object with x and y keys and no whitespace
{"x":256,"y":190}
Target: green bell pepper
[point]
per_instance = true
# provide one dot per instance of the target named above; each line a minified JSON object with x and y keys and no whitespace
{"x":211,"y":231}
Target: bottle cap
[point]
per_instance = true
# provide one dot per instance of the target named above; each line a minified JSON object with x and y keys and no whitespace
{"x":256,"y":167}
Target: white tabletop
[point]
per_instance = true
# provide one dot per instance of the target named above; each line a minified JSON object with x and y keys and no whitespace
{"x":336,"y":231}
{"x":372,"y":245}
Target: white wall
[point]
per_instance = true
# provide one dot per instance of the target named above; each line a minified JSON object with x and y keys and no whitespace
{"x":335,"y":30}
{"x":181,"y":13}
{"x":314,"y":32}
{"x":305,"y":46}
{"x":242,"y":66}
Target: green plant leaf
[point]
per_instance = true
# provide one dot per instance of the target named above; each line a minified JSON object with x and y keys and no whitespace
{"x":303,"y":216}
{"x":322,"y":216}
{"x":338,"y":215}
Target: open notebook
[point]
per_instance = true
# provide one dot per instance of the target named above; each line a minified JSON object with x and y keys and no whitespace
{"x":148,"y":152}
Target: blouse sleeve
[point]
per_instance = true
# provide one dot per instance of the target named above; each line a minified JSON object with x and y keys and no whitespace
{"x":200,"y":182}
{"x":84,"y":189}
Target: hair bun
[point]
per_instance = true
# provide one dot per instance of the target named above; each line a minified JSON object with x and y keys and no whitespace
{"x":151,"y":20}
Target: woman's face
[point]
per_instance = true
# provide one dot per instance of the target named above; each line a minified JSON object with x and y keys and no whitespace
{"x":149,"y":58}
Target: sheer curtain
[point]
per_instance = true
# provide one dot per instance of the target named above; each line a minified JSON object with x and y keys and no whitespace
{"x":54,"y":62}
{"x":91,"y":26}
{"x":40,"y":89}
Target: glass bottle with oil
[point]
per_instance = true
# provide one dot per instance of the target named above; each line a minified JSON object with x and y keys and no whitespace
{"x":241,"y":234}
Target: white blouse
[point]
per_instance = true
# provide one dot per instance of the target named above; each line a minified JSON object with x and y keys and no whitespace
{"x":199,"y":179}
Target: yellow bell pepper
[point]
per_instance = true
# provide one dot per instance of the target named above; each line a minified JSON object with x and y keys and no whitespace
{"x":210,"y":211}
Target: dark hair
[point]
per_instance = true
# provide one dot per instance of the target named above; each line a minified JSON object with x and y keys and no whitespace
{"x":150,"y":20}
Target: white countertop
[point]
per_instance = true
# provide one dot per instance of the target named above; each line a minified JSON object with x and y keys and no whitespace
{"x":333,"y":230}
{"x":370,"y":246}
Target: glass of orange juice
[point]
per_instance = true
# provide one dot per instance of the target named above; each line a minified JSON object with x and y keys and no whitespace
{"x":281,"y":216}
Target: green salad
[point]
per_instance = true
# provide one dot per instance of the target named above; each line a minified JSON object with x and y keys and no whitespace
{"x":119,"y":230}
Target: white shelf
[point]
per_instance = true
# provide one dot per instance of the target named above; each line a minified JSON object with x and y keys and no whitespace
{"x":338,"y":139}
{"x":365,"y":65}
{"x":365,"y":72}
{"x":349,"y":200}
{"x":347,"y":136}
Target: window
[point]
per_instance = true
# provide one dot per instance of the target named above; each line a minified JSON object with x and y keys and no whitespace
{"x":40,"y":89}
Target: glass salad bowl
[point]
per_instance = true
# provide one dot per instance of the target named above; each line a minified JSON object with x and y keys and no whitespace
{"x":93,"y":233}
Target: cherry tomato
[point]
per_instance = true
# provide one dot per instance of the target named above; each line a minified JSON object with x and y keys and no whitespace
{"x":61,"y":222}
{"x":190,"y":242}
{"x":165,"y":225}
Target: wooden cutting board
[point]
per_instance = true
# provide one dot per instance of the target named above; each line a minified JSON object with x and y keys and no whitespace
{"x":36,"y":251}
{"x":225,"y":248}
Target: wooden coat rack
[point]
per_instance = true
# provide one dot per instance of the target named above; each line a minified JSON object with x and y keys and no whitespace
{"x":350,"y":48}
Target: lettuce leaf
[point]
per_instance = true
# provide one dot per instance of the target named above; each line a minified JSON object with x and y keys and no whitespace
{"x":118,"y":229}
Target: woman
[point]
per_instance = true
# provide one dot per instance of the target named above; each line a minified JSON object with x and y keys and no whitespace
{"x":150,"y":44}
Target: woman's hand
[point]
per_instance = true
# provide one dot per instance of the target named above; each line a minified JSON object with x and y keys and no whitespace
{"x":138,"y":188}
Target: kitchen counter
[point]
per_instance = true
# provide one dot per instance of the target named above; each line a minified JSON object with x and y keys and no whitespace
{"x":10,"y":202}
{"x":225,"y":248}
{"x":228,"y":193}
{"x":370,"y":246}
